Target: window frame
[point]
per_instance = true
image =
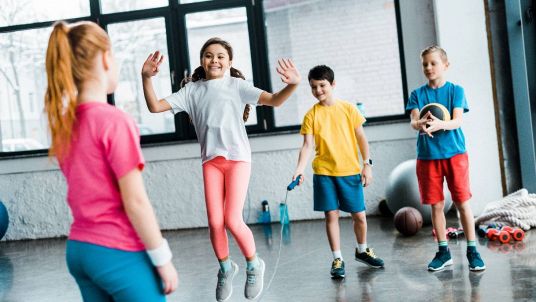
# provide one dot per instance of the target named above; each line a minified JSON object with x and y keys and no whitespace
{"x":174,"y":15}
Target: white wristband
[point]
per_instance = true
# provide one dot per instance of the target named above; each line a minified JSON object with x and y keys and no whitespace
{"x":160,"y":255}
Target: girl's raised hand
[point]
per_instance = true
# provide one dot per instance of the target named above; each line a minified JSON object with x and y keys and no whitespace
{"x":289,"y":73}
{"x":152,"y":65}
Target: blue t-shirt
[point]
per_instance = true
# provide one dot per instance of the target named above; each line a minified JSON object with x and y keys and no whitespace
{"x":445,"y":144}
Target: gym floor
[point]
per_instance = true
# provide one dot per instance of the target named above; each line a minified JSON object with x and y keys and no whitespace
{"x":36,"y":271}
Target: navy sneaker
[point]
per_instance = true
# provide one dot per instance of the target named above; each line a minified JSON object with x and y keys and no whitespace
{"x":337,"y":269}
{"x":475,"y":262}
{"x":440,"y":261}
{"x":369,"y":258}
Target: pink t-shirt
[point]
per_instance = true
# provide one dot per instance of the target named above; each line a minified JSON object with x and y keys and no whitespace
{"x":105,"y":147}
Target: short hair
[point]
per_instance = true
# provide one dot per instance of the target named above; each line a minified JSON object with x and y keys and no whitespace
{"x":434,"y":48}
{"x":321,"y":72}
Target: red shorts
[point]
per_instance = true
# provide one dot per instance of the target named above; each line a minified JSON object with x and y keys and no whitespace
{"x":431,"y":173}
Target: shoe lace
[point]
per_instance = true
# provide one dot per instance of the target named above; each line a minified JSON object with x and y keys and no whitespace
{"x":370,"y":253}
{"x":337,"y":263}
{"x":251,"y":279}
{"x":221,"y":279}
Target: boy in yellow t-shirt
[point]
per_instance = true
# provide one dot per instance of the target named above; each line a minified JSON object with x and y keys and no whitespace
{"x":336,"y":127}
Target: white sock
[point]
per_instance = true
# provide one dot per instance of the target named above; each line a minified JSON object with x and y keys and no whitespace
{"x":337,"y":254}
{"x":361,"y":247}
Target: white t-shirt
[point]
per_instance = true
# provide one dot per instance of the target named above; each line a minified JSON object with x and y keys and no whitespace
{"x":216,"y":108}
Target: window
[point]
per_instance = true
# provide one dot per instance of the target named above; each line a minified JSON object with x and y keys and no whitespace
{"x":22,"y":89}
{"x":132,"y":42}
{"x":114,"y":6}
{"x":357,"y":39}
{"x":15,"y":12}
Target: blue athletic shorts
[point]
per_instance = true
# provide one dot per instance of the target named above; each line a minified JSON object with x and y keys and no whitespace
{"x":105,"y":274}
{"x":343,"y":193}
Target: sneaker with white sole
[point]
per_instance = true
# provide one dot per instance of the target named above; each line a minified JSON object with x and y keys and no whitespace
{"x":254,"y":281}
{"x":440,"y":261}
{"x":224,"y":288}
{"x":475,"y":261}
{"x":337,"y":269}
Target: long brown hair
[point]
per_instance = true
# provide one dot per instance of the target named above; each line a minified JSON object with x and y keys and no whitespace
{"x":199,"y":72}
{"x":69,"y":61}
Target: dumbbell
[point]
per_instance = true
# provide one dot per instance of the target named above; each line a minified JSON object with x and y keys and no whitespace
{"x":500,"y":235}
{"x":516,"y":233}
{"x":455,"y":233}
{"x":482,"y":230}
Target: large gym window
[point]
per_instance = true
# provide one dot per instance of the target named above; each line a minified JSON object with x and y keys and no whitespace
{"x":359,"y":40}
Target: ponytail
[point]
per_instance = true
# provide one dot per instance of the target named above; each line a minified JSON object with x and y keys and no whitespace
{"x":69,"y":62}
{"x":60,"y":96}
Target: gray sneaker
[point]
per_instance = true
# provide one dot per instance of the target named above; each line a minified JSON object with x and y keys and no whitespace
{"x":224,"y":288}
{"x":254,"y":281}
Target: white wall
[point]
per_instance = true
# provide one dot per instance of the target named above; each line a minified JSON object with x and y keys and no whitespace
{"x":33,"y":189}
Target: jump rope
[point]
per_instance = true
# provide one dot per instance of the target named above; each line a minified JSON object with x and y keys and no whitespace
{"x":283,"y":219}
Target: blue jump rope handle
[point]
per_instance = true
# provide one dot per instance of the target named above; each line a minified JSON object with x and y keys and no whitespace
{"x":294,"y":183}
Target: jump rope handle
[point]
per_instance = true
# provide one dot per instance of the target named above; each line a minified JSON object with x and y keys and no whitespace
{"x":294,"y":183}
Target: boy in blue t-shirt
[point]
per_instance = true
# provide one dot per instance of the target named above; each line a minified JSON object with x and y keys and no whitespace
{"x":442,"y":155}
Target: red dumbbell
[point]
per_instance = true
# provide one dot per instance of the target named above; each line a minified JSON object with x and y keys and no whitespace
{"x":495,"y":234}
{"x":516,"y":233}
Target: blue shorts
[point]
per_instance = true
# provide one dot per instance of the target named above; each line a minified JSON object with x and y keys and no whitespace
{"x":343,"y":193}
{"x":105,"y":274}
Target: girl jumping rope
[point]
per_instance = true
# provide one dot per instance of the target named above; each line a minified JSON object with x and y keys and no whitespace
{"x":214,"y":102}
{"x":115,"y":250}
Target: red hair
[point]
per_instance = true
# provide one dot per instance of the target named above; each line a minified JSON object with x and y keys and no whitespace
{"x":69,"y":62}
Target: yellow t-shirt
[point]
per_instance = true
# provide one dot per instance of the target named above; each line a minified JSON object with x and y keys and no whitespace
{"x":333,"y":128}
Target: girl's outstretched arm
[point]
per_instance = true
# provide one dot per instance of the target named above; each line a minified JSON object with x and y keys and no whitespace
{"x":290,"y":76}
{"x":150,"y":68}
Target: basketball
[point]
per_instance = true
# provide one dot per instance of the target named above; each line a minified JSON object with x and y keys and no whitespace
{"x":408,"y":221}
{"x":437,"y":110}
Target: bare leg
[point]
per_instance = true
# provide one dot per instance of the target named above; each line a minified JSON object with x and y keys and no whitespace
{"x":332,"y":230}
{"x":438,"y":221}
{"x":467,"y":220}
{"x":360,"y":227}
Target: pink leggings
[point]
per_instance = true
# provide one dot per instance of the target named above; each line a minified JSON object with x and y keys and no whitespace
{"x":226,"y":185}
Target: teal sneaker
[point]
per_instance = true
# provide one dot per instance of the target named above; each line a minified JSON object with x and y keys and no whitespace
{"x":440,"y":261}
{"x":369,"y":258}
{"x":337,"y":269}
{"x":475,"y":262}
{"x":224,"y":288}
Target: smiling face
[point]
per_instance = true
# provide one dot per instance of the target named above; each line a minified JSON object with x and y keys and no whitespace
{"x":215,"y":61}
{"x":322,"y":90}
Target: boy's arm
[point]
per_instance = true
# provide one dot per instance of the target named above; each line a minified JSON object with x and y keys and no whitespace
{"x":366,"y":174}
{"x":305,"y":153}
{"x":150,"y":68}
{"x":290,"y":76}
{"x":416,"y":123}
{"x":435,"y":124}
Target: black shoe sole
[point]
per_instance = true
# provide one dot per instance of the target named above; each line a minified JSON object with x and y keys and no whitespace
{"x":370,"y":265}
